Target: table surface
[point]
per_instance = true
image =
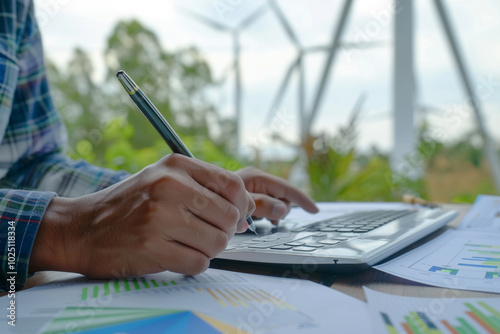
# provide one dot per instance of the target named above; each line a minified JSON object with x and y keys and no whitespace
{"x":350,"y":284}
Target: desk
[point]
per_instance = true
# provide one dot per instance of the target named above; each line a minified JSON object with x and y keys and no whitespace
{"x":350,"y":284}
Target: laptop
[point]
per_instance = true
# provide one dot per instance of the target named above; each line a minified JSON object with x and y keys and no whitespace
{"x":347,"y":237}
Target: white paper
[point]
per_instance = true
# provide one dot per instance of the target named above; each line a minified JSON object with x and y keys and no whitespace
{"x":484,"y":215}
{"x":391,"y":314}
{"x":225,"y":300}
{"x":456,"y":259}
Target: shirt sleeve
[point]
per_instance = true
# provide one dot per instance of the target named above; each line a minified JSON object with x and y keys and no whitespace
{"x":21,"y":212}
{"x":33,"y":166}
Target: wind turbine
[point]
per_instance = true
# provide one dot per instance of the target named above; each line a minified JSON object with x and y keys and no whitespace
{"x":235,"y":34}
{"x":306,"y":119}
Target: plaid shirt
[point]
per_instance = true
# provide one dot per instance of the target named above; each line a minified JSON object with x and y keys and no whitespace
{"x":33,"y":168}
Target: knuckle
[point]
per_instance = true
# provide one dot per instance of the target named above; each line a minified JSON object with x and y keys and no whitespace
{"x":232,"y":214}
{"x":220,"y":243}
{"x":173,"y":160}
{"x":235,"y":184}
{"x":198,"y":265}
{"x":251,"y":169}
{"x":166,"y":181}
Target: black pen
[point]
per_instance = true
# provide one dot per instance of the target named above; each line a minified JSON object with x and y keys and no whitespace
{"x":159,"y":122}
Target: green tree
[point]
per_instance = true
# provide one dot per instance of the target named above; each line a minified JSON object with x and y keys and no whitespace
{"x":105,"y":126}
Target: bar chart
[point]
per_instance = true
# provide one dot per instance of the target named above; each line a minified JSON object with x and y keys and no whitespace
{"x":455,"y":259}
{"x":396,"y":314}
{"x":126,"y":285}
{"x":492,"y":274}
{"x":471,"y":260}
{"x":444,"y":270}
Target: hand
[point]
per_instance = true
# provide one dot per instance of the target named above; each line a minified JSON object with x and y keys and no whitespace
{"x":176,"y":215}
{"x":273,"y":195}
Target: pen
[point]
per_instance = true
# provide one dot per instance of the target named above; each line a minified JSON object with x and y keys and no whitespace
{"x":159,"y":122}
{"x":411,"y":199}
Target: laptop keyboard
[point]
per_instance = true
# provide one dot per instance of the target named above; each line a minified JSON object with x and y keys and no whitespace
{"x":326,"y":233}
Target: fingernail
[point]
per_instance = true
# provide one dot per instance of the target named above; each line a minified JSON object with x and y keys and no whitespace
{"x":279,"y":210}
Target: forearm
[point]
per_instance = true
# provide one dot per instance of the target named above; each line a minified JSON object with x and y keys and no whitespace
{"x":57,"y":173}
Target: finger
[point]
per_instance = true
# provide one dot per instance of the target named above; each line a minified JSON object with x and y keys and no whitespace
{"x":222,"y":182}
{"x":280,"y":188}
{"x":185,"y":196}
{"x":198,"y":234}
{"x":212,"y":180}
{"x":218,"y":211}
{"x":182,"y":259}
{"x":269,"y":207}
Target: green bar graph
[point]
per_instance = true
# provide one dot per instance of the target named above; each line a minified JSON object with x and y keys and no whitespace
{"x":126,"y":285}
{"x":136,"y":284}
{"x":146,"y":285}
{"x":450,"y":271}
{"x":484,"y":246}
{"x":111,"y":287}
{"x":85,"y":293}
{"x":482,"y":316}
{"x":474,"y":317}
{"x":491,"y":274}
{"x":487,"y":253}
{"x":465,"y":325}
{"x":491,"y":309}
{"x":414,"y":327}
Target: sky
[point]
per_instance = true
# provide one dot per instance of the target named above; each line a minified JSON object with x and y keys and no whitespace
{"x":267,"y":53}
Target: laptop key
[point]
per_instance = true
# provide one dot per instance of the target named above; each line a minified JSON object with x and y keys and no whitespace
{"x":299,"y":229}
{"x":281,"y":247}
{"x":254,"y":241}
{"x":339,"y":238}
{"x":304,"y":249}
{"x":345,"y":230}
{"x":329,"y":242}
{"x":360,"y":231}
{"x":259,"y":246}
{"x":314,"y":244}
{"x":328,"y":229}
{"x":295,"y":243}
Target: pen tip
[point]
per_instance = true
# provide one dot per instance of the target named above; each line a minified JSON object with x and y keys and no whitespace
{"x":120,"y":72}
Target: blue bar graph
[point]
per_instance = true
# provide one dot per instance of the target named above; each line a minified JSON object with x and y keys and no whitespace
{"x":477,"y":265}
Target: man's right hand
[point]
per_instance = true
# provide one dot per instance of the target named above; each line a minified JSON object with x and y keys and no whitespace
{"x":176,"y":215}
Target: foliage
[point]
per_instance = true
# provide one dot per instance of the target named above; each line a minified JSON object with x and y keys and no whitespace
{"x":105,"y":126}
{"x":337,"y":172}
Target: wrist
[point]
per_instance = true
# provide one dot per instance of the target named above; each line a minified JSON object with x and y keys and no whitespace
{"x":57,"y":246}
